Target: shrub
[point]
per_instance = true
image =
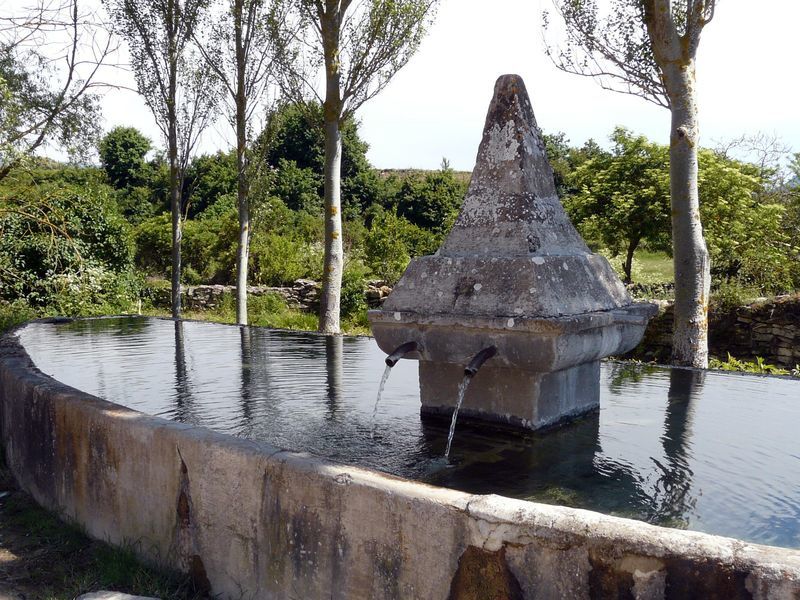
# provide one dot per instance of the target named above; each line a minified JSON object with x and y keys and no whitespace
{"x":391,"y":243}
{"x":354,"y":281}
{"x":279,"y":259}
{"x":65,"y":247}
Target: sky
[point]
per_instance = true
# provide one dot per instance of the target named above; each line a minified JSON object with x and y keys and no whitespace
{"x":435,"y":107}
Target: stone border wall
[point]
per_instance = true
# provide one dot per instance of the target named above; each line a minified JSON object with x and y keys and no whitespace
{"x":253,"y":521}
{"x":303,"y":294}
{"x":768,"y":328}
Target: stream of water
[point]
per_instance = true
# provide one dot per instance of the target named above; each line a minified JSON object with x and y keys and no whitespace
{"x":462,"y":390}
{"x":386,"y":372}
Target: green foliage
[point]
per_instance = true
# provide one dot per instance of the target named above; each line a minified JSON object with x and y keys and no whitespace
{"x":65,"y":247}
{"x":758,"y":366}
{"x":353,"y":285}
{"x":730,"y":295}
{"x":431,"y":200}
{"x":15,"y":313}
{"x":391,"y":243}
{"x":281,"y":259}
{"x":293,"y":144}
{"x":122,"y":154}
{"x":43,"y":101}
{"x":619,"y":200}
{"x":299,"y":188}
{"x":744,"y":237}
{"x":153,"y":240}
{"x":208,"y":178}
{"x":564,"y":159}
{"x":622,"y":197}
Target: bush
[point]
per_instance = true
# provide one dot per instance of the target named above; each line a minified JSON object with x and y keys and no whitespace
{"x":65,"y":247}
{"x":153,"y":241}
{"x":354,"y":282}
{"x":14,"y":313}
{"x":279,"y":259}
{"x":391,"y":243}
{"x":431,"y":200}
{"x":730,"y":295}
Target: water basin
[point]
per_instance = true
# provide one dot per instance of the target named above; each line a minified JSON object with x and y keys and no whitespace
{"x":707,"y":451}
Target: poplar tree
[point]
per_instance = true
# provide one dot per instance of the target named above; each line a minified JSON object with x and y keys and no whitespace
{"x":177,"y":90}
{"x":648,"y":48}
{"x":240,"y":51}
{"x":358,"y":45}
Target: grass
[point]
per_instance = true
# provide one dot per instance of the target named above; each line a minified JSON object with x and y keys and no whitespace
{"x":43,"y":558}
{"x":652,"y":267}
{"x":759,"y":366}
{"x":269,"y":310}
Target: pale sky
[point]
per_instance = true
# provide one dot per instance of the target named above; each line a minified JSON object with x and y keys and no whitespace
{"x":435,"y":107}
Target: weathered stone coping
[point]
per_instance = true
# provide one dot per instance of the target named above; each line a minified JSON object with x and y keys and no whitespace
{"x":636,"y":313}
{"x":255,"y":521}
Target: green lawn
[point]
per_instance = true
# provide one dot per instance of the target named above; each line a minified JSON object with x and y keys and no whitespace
{"x":652,"y":267}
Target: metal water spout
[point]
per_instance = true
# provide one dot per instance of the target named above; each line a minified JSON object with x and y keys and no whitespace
{"x":477,"y":361}
{"x":390,"y":361}
{"x":400,"y":352}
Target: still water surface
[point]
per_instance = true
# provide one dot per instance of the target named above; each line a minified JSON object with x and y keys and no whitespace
{"x":711,"y":452}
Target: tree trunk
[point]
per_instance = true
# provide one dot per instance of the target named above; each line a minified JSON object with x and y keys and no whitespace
{"x":692,"y":265}
{"x":175,"y":207}
{"x":175,"y":174}
{"x":334,"y":253}
{"x":333,"y":268}
{"x":628,"y":266}
{"x":243,"y":254}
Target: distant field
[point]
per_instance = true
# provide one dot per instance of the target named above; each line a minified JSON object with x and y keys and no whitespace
{"x":652,"y":267}
{"x":462,"y":176}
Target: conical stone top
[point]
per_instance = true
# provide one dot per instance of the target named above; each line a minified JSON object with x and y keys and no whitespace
{"x":512,"y":250}
{"x":511,"y":205}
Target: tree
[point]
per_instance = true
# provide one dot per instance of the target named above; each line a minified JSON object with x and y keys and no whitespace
{"x":122,"y":154}
{"x":744,"y":226}
{"x":239,"y":50}
{"x":294,"y":145}
{"x":433,"y":200}
{"x":621,"y":197}
{"x":50,"y":58}
{"x":648,"y":48}
{"x":360,"y":45}
{"x":178,"y":91}
{"x":209,"y":177}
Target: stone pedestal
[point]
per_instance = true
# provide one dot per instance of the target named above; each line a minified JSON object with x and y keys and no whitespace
{"x":511,"y":397}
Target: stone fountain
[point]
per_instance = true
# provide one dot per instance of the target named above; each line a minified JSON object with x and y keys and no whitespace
{"x":513,"y":274}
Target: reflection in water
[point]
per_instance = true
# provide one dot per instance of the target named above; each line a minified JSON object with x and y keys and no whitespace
{"x":669,"y":446}
{"x":334,"y":350}
{"x":675,"y":483}
{"x":246,"y":340}
{"x":183,"y":393}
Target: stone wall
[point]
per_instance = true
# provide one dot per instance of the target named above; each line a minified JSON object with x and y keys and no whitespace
{"x":249,"y":520}
{"x":768,"y":328}
{"x":303,"y":294}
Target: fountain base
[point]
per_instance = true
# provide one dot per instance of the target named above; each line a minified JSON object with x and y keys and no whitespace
{"x":512,"y":397}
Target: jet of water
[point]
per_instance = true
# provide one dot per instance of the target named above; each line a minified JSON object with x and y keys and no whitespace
{"x":385,"y":377}
{"x":462,"y":390}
